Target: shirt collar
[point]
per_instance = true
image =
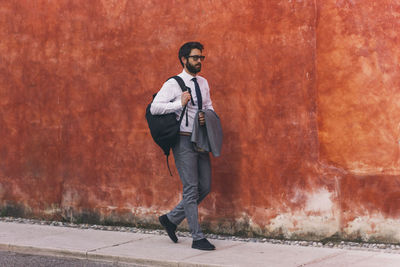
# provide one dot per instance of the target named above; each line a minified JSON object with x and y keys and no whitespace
{"x":187,"y":76}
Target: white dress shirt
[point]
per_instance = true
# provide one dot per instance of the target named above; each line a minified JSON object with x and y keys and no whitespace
{"x":168,"y":99}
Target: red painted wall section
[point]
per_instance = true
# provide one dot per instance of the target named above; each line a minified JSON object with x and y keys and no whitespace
{"x":358,"y":85}
{"x":307,"y":92}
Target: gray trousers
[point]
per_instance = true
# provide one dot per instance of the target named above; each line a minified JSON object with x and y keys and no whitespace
{"x":194,"y":169}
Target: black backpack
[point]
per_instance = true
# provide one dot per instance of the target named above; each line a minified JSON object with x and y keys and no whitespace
{"x":165,"y":128}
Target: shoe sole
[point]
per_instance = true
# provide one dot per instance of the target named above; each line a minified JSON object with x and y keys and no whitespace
{"x":206,"y":249}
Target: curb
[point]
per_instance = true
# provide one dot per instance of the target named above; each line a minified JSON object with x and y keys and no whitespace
{"x":97,"y":257}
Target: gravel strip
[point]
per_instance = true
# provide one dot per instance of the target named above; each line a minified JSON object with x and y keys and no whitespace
{"x":380,"y":247}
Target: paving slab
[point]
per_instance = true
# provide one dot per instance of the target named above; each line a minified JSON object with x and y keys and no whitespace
{"x":15,"y":232}
{"x":84,"y":240}
{"x":359,"y":259}
{"x":62,"y":241}
{"x":161,"y":251}
{"x":265,"y":254}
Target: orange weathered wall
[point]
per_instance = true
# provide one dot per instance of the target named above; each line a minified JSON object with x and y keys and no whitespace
{"x":308,"y":93}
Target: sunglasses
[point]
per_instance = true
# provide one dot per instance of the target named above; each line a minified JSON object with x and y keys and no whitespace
{"x":196,"y":58}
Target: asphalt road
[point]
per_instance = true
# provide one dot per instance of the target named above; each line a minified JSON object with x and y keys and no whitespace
{"x":12,"y":259}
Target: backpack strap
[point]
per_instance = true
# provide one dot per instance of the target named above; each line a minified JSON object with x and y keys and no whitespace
{"x":184,"y":88}
{"x":180,"y":81}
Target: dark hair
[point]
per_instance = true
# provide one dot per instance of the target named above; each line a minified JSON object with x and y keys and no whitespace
{"x":185,"y":49}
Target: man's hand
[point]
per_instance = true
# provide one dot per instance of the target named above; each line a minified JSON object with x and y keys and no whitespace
{"x":185,"y":98}
{"x":202,"y":120}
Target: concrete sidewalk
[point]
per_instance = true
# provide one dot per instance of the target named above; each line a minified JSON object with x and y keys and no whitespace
{"x":156,"y":250}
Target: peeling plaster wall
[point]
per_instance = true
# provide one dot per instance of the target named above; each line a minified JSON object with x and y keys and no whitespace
{"x":308,"y":93}
{"x":358,"y":98}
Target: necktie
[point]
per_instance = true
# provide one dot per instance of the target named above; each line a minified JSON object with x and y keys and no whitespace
{"x":198,"y":93}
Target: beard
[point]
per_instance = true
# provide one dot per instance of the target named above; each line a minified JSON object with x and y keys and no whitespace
{"x":193,"y":68}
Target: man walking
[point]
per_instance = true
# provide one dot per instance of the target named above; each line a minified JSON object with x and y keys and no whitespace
{"x":193,"y":164}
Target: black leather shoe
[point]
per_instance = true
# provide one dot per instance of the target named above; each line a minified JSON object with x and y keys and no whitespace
{"x":203,"y":244}
{"x":169,"y":226}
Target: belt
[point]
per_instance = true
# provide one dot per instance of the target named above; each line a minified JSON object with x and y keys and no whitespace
{"x":185,"y":133}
